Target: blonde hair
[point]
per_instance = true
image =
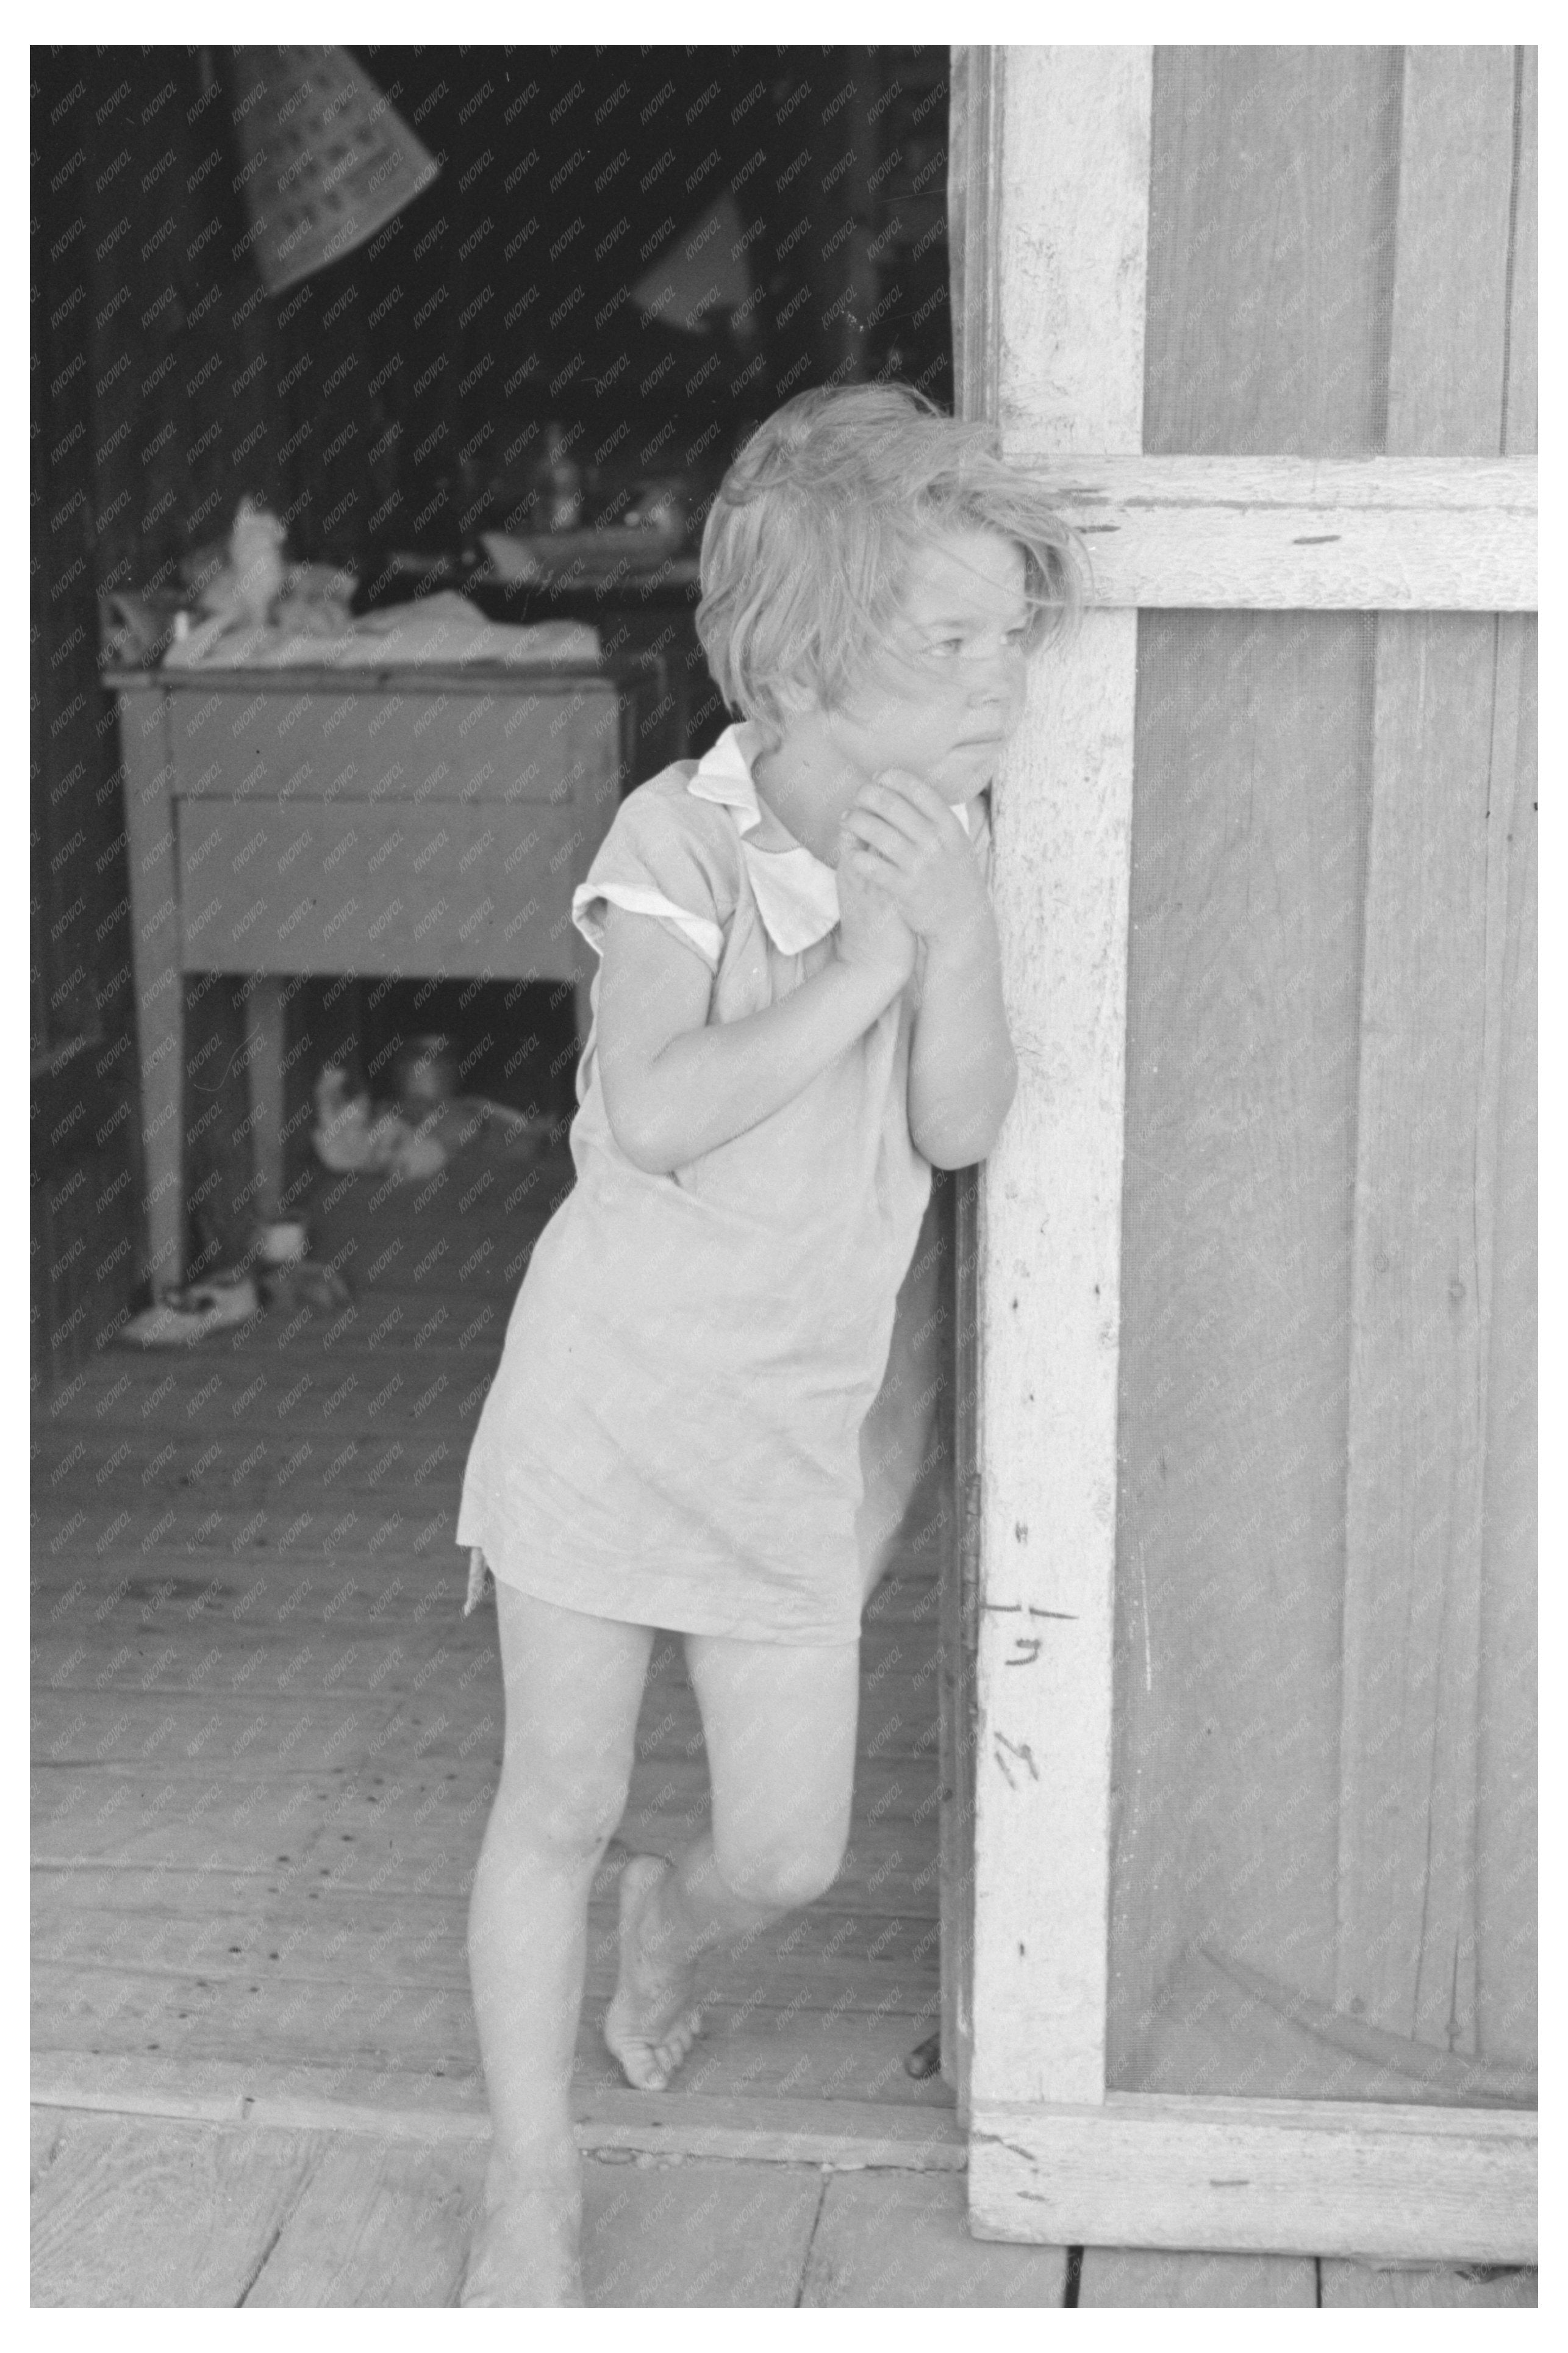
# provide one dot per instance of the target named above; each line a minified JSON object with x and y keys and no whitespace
{"x":808,"y":543}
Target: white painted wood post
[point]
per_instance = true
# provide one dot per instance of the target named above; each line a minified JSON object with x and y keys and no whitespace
{"x":1072,"y":261}
{"x":1317,"y":534}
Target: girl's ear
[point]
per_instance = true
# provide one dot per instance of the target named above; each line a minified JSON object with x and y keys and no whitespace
{"x":797,"y":698}
{"x":793,"y":702}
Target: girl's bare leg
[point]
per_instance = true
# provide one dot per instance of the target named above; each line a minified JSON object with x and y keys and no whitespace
{"x":779,"y":1721}
{"x":573,"y":1686}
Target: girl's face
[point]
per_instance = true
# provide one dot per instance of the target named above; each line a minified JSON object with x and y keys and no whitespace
{"x":948,"y":689}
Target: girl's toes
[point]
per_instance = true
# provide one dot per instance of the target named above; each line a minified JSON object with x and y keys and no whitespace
{"x":649,"y":2066}
{"x":640,"y":2064}
{"x":677,"y":2044}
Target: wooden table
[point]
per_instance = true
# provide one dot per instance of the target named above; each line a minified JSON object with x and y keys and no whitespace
{"x":422,"y":821}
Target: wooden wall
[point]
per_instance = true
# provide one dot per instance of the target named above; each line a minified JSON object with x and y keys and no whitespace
{"x":1325,"y":1693}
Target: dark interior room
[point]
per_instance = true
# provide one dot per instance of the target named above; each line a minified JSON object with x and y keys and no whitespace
{"x":620,"y":261}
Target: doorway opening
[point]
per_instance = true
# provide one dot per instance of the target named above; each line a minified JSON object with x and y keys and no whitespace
{"x":276,"y":1516}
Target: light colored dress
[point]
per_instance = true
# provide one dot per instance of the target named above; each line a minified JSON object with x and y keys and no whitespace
{"x":673,"y":1437}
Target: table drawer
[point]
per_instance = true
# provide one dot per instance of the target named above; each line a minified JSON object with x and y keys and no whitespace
{"x":516,"y":744}
{"x":276,"y":886}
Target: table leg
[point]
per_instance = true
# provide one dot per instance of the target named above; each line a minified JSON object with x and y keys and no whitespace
{"x":264,"y":1055}
{"x":160,"y":988}
{"x":161,"y":1024}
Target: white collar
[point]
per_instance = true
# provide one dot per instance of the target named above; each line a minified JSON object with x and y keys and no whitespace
{"x":796,"y":893}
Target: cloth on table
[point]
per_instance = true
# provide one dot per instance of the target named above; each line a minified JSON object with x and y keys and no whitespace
{"x":445,"y":628}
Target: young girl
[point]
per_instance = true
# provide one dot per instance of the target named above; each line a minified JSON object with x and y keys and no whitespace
{"x":797,"y":1014}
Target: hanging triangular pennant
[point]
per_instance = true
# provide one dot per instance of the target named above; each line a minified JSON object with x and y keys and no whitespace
{"x":703,"y":268}
{"x":327,"y":158}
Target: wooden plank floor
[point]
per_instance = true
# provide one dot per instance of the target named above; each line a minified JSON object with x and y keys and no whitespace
{"x":265,"y":1741}
{"x":1119,"y":2277}
{"x":137,"y":2212}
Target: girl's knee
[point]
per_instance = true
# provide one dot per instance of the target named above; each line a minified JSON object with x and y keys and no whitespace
{"x":782,"y":1878}
{"x":571,"y":1808}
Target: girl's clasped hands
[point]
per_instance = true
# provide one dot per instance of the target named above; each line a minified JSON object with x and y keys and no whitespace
{"x":906,"y":872}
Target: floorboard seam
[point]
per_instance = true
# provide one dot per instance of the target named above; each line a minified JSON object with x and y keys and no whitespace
{"x":269,"y":2250}
{"x":825,"y":2178}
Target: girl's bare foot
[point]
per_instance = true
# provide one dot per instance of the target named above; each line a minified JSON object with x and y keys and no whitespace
{"x":524,"y":2249}
{"x":651,"y":2023}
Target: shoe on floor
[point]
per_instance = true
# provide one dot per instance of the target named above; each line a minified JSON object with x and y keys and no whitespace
{"x":191,"y":1313}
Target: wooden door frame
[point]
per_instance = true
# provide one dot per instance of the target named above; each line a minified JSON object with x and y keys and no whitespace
{"x":1049,"y":193}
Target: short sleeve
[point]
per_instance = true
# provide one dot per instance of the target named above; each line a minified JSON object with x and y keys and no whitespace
{"x":657,"y":859}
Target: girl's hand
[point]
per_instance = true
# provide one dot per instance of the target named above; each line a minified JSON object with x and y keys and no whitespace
{"x":872,"y":934}
{"x":913,"y":848}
